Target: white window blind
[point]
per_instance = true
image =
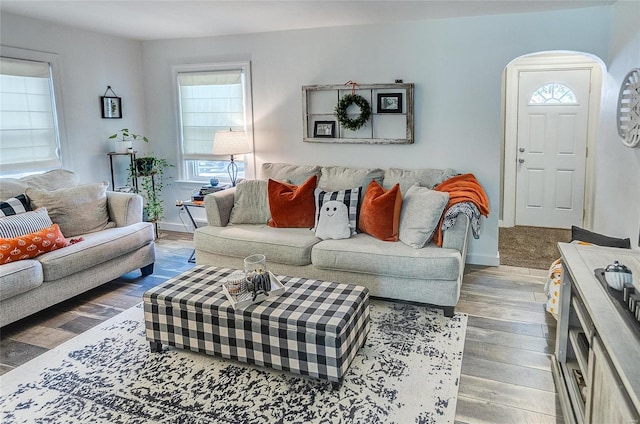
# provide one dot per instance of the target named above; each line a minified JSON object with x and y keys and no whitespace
{"x":209,"y":101}
{"x":28,"y":126}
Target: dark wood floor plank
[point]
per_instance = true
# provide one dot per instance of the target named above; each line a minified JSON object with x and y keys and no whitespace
{"x":507,"y":355}
{"x":493,"y":309}
{"x":510,"y":395}
{"x":515,"y":302}
{"x":475,"y":411}
{"x":507,"y":373}
{"x":525,"y":328}
{"x":510,"y":294}
{"x":505,"y":339}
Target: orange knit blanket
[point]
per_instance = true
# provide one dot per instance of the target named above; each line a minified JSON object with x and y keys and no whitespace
{"x":461,"y":188}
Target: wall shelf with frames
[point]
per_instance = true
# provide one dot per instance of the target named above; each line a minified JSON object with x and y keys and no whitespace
{"x":390,"y":123}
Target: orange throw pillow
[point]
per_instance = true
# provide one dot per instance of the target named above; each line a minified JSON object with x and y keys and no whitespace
{"x":380,"y":212}
{"x":31,"y":245}
{"x":292,"y":206}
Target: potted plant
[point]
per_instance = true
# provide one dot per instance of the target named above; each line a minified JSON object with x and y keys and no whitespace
{"x":148,"y":170}
{"x":124,"y":140}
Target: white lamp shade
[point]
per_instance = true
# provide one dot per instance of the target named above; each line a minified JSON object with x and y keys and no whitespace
{"x":230,"y":143}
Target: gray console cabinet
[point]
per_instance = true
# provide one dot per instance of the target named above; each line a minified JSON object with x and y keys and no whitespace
{"x":596,"y":365}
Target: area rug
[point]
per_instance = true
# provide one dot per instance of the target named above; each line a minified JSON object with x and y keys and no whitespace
{"x":407,"y":372}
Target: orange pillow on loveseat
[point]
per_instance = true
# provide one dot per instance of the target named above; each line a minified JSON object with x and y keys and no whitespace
{"x":380,"y":212}
{"x":292,"y":206}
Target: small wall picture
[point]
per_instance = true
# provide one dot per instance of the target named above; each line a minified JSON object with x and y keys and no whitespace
{"x":390,"y":103}
{"x":324,"y":129}
{"x":111,"y":107}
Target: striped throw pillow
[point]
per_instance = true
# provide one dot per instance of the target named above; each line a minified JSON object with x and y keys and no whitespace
{"x":15,"y":205}
{"x":24,"y":223}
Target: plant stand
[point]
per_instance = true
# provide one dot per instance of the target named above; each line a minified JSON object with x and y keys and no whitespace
{"x":132,"y":159}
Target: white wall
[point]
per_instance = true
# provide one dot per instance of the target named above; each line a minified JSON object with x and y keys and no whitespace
{"x":89,"y":62}
{"x":456,"y":65}
{"x":618,"y":171}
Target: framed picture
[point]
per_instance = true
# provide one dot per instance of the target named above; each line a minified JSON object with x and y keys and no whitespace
{"x":389,"y":102}
{"x":324,"y":129}
{"x":111,"y":107}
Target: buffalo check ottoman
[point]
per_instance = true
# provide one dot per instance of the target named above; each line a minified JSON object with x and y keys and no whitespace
{"x":315,"y":328}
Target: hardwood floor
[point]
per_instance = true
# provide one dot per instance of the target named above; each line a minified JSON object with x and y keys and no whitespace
{"x":506,"y":369}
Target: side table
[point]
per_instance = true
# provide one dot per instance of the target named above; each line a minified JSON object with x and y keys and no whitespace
{"x":185,"y":205}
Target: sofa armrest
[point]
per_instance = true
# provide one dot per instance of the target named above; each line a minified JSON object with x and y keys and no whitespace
{"x":457,"y":236}
{"x":218,"y":207}
{"x":124,"y":208}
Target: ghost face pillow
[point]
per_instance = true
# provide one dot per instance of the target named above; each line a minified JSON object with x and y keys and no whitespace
{"x":334,"y":221}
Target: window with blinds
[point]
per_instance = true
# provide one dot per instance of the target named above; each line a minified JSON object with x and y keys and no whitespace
{"x":29,"y":139}
{"x":210,"y":100}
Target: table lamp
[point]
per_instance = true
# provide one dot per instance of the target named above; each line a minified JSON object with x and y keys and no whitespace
{"x":231,"y":143}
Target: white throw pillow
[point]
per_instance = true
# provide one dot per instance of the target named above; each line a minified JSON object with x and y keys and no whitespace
{"x":421,"y":212}
{"x":334,"y":221}
{"x":350,"y":198}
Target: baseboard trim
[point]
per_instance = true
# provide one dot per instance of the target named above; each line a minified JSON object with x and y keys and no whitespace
{"x":483,"y":260}
{"x":169,"y":226}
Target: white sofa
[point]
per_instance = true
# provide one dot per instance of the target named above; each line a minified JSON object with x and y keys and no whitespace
{"x":28,"y":286}
{"x":394,"y":270}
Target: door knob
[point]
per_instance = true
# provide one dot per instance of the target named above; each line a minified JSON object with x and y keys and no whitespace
{"x":521,"y":160}
{"x":521,"y":149}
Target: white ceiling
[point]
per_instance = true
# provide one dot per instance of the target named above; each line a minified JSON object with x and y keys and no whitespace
{"x":165,"y":19}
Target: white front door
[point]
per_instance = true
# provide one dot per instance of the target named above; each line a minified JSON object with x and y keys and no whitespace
{"x":553,"y":110}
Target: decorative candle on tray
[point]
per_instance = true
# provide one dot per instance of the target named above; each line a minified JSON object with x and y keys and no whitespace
{"x":236,"y":283}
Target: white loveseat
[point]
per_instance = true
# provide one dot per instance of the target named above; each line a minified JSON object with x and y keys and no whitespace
{"x":394,"y":270}
{"x":28,"y":286}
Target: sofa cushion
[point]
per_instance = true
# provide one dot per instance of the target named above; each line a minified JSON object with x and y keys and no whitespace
{"x":95,"y":248}
{"x":51,"y":180}
{"x":78,"y":210}
{"x":341,"y":178}
{"x":24,"y":223}
{"x":291,"y":246}
{"x":380,"y":213}
{"x":19,"y":277}
{"x":292,"y":206}
{"x":407,"y":177}
{"x":30,"y":245}
{"x":11,"y":187}
{"x":421,"y":212}
{"x":365,"y":254}
{"x":296,"y":174}
{"x":251,"y":203}
{"x":14,"y":205}
{"x":350,"y":198}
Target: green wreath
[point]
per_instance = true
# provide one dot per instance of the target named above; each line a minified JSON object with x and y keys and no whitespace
{"x":341,"y":111}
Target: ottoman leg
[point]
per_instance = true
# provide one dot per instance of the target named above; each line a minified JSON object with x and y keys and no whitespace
{"x":155,"y":347}
{"x":335,"y":385}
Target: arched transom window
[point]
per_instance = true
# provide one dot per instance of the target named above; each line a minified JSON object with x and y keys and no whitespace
{"x":553,"y":93}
